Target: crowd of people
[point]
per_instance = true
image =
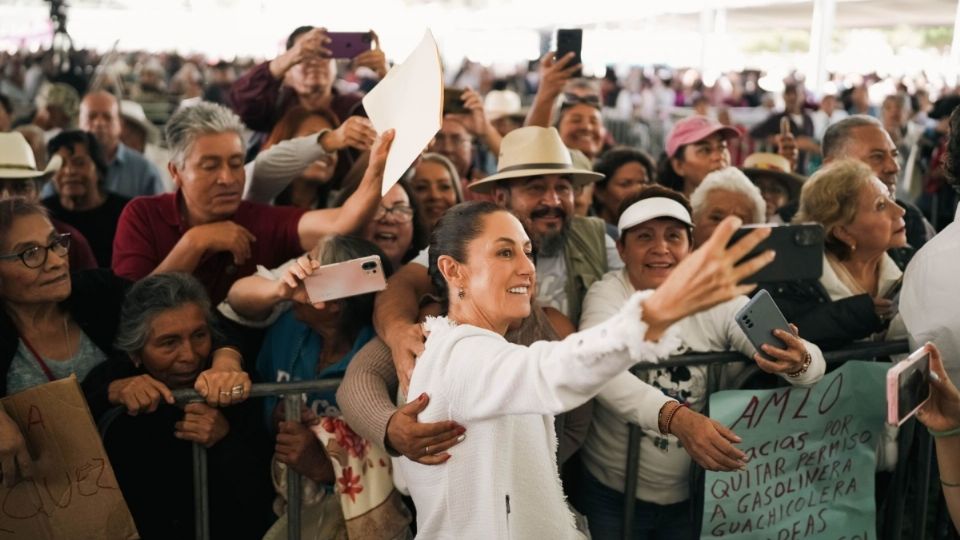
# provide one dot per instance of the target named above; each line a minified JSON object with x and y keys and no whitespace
{"x":159,"y":217}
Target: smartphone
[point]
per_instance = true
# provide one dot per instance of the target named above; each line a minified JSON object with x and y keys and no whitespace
{"x":345,"y":279}
{"x":570,"y":40}
{"x":908,"y":386}
{"x":799,"y":251}
{"x":452,"y":104}
{"x":349,"y":44}
{"x":758,"y":319}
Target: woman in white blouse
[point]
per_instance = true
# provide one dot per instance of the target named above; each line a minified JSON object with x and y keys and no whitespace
{"x":655,"y":238}
{"x":502,"y":481}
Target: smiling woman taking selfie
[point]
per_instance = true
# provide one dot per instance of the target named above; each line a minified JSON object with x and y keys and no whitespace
{"x":506,"y":395}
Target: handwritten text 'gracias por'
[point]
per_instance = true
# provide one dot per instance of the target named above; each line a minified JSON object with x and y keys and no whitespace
{"x":785,"y":496}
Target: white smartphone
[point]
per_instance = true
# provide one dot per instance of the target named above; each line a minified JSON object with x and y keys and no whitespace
{"x":908,"y":386}
{"x":345,"y":279}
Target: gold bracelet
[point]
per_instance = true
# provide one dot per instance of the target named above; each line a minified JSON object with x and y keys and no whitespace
{"x":807,"y":360}
{"x":670,"y":417}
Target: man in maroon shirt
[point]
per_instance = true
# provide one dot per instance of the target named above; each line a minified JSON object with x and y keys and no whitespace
{"x":19,"y":177}
{"x":207,"y":230}
{"x":303,"y":75}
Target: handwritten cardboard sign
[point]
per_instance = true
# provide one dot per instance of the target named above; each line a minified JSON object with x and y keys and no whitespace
{"x":812,"y":455}
{"x":73,"y":493}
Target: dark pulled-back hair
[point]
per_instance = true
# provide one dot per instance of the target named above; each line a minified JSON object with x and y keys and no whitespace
{"x":456,"y":229}
{"x":71,"y":138}
{"x":666,"y":175}
{"x":611,"y":161}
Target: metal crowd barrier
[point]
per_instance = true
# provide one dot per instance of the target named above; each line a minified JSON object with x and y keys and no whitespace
{"x":857,"y":351}
{"x":292,"y":393}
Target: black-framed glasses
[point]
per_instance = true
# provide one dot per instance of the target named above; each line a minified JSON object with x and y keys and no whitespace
{"x":36,"y":256}
{"x":402,"y":213}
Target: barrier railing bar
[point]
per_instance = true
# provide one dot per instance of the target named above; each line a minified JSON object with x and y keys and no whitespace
{"x":292,"y":399}
{"x":856,"y":351}
{"x":291,"y":411}
{"x":201,"y":498}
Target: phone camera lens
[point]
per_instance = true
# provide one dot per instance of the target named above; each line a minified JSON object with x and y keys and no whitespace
{"x":369,"y":266}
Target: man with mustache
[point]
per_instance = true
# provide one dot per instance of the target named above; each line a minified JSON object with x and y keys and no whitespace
{"x":207,"y":230}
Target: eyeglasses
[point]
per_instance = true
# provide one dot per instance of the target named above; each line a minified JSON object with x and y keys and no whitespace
{"x":36,"y":256}
{"x":569,"y":100}
{"x":17,"y":188}
{"x":401,"y":213}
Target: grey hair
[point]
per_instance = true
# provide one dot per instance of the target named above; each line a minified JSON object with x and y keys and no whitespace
{"x":204,"y":118}
{"x":837,"y":136}
{"x":729,"y":179}
{"x":152,"y":296}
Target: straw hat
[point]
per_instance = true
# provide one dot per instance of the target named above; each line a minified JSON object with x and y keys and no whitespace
{"x":534,"y":151}
{"x":17,"y":161}
{"x":133,"y":111}
{"x":775,"y":166}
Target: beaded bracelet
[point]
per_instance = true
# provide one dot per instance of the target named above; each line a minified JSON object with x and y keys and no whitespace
{"x":807,"y":360}
{"x":948,"y":433}
{"x":671,"y":415}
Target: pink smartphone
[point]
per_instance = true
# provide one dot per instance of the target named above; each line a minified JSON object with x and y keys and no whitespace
{"x":908,"y":387}
{"x":349,"y":44}
{"x":345,"y":279}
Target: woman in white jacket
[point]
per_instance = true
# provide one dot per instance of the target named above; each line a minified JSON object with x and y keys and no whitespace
{"x":655,"y":240}
{"x":502,"y":481}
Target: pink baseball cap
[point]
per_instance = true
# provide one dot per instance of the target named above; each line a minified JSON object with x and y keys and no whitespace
{"x":696,"y":128}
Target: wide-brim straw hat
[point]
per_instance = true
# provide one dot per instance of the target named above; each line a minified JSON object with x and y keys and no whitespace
{"x":17,"y":161}
{"x":775,"y":166}
{"x":534,"y":151}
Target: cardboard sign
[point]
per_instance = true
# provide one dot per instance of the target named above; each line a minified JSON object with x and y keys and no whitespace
{"x":410,"y":100}
{"x":812,"y":459}
{"x":73,"y":493}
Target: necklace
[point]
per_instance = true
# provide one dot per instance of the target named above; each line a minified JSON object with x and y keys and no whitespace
{"x":43,"y":365}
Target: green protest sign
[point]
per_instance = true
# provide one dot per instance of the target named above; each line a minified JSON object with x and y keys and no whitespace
{"x":812,"y":455}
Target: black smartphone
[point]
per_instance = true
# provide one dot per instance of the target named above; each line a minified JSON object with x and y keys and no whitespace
{"x":452,"y":103}
{"x":799,"y":250}
{"x":759,"y":318}
{"x":570,"y":40}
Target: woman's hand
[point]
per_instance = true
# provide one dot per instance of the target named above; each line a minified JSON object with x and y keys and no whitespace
{"x":426,"y":444}
{"x":225,"y":383}
{"x":374,"y":59}
{"x":554,"y":74}
{"x":708,"y":442}
{"x":140,"y":394}
{"x":298,"y":448}
{"x":942,"y":411}
{"x":15,"y":460}
{"x":201,"y":424}
{"x":789,"y":360}
{"x":707,"y":277}
{"x":290,"y":285}
{"x":379,"y":153}
{"x":355,"y":132}
{"x":883,"y":307}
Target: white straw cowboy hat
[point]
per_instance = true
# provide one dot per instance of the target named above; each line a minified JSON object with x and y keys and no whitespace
{"x":133,"y":111}
{"x":17,"y":161}
{"x":534,"y":151}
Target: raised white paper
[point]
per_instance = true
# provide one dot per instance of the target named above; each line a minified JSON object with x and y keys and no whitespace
{"x":409,"y":100}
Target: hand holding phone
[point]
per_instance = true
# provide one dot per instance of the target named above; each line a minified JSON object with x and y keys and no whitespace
{"x":345,"y":279}
{"x":453,"y":101}
{"x":942,"y":410}
{"x":908,"y":386}
{"x":787,"y":143}
{"x":758,"y":319}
